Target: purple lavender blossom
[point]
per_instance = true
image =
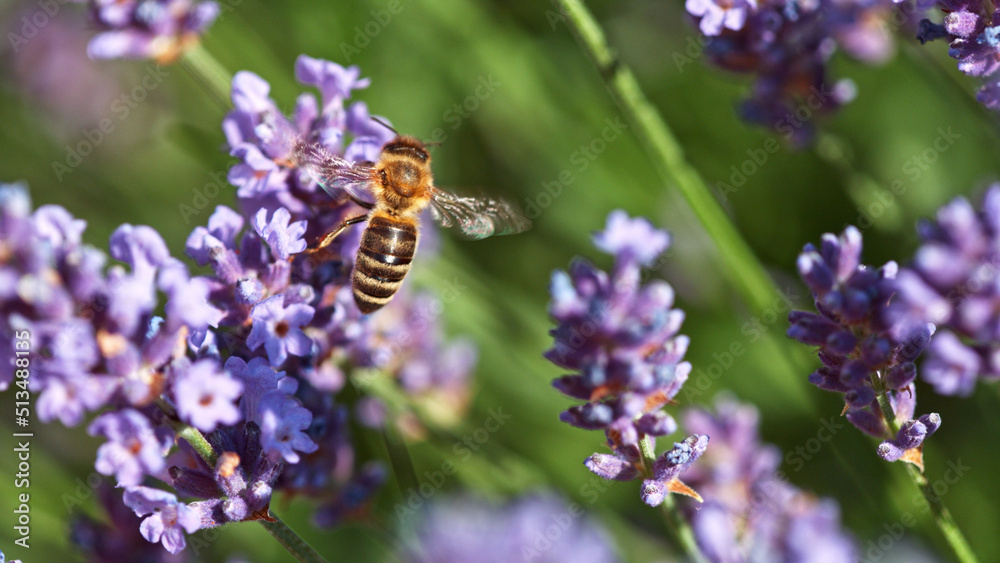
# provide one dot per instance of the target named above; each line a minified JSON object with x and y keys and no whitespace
{"x":148,"y":29}
{"x":116,"y":537}
{"x":861,"y":340}
{"x":133,"y":450}
{"x":267,"y":401}
{"x":973,"y":35}
{"x":786,"y":46}
{"x":953,"y":283}
{"x":168,"y":519}
{"x":239,"y":487}
{"x":909,"y":438}
{"x":620,"y":337}
{"x":278,"y":327}
{"x":751,"y":513}
{"x":282,"y":422}
{"x":263,"y":304}
{"x":475,"y":531}
{"x":204,"y":395}
{"x":718,"y":15}
{"x":188,"y":299}
{"x":620,"y":340}
{"x":262,"y":138}
{"x":284,"y":239}
{"x":668,"y":468}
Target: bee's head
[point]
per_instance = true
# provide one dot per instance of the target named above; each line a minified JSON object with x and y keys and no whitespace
{"x":404,"y":167}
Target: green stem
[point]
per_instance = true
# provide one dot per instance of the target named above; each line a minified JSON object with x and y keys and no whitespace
{"x":281,"y":532}
{"x":744,"y":271}
{"x":197,"y":440}
{"x":208,"y":73}
{"x":942,"y":516}
{"x":291,"y":541}
{"x":676,"y":523}
{"x":402,"y":463}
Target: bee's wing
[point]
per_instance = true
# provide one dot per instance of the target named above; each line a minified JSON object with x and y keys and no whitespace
{"x":477,"y":217}
{"x":335,"y":174}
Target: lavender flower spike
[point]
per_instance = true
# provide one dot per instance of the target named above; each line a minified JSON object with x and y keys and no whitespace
{"x":859,"y":335}
{"x":750,"y":507}
{"x":148,"y":29}
{"x":954,"y":282}
{"x":620,"y":340}
{"x":786,"y":47}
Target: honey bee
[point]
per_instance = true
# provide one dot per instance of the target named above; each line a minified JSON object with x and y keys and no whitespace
{"x":396,"y":189}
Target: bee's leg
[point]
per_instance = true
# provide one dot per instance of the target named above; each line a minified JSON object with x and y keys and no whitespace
{"x":333,"y":234}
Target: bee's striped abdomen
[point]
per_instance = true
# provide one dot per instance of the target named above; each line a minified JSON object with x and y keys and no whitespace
{"x":387,"y":248}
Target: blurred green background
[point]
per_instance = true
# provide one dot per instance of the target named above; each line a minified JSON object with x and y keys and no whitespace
{"x":549,"y":103}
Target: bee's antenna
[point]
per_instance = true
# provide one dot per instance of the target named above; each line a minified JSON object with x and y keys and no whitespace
{"x":386,"y":125}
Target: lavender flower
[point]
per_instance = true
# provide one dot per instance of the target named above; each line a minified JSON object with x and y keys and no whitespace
{"x":971,"y":29}
{"x":205,"y":395}
{"x":148,"y":29}
{"x":718,"y":15}
{"x":751,"y":512}
{"x":116,"y":537}
{"x":786,"y":45}
{"x":911,"y":434}
{"x":859,"y":342}
{"x":475,"y":531}
{"x":99,"y":344}
{"x":952,"y":282}
{"x":668,"y":468}
{"x":620,"y":338}
{"x":239,"y":487}
{"x":269,"y":403}
{"x":133,"y":449}
{"x":283,"y":238}
{"x":278,"y":327}
{"x":168,"y":519}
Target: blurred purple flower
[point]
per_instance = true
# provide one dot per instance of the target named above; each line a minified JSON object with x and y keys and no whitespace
{"x":475,"y":531}
{"x":954,"y":283}
{"x":751,"y":512}
{"x":148,"y":29}
{"x":631,"y":239}
{"x":134,"y":448}
{"x":116,"y":537}
{"x":718,"y":15}
{"x":188,"y":301}
{"x":786,"y":46}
